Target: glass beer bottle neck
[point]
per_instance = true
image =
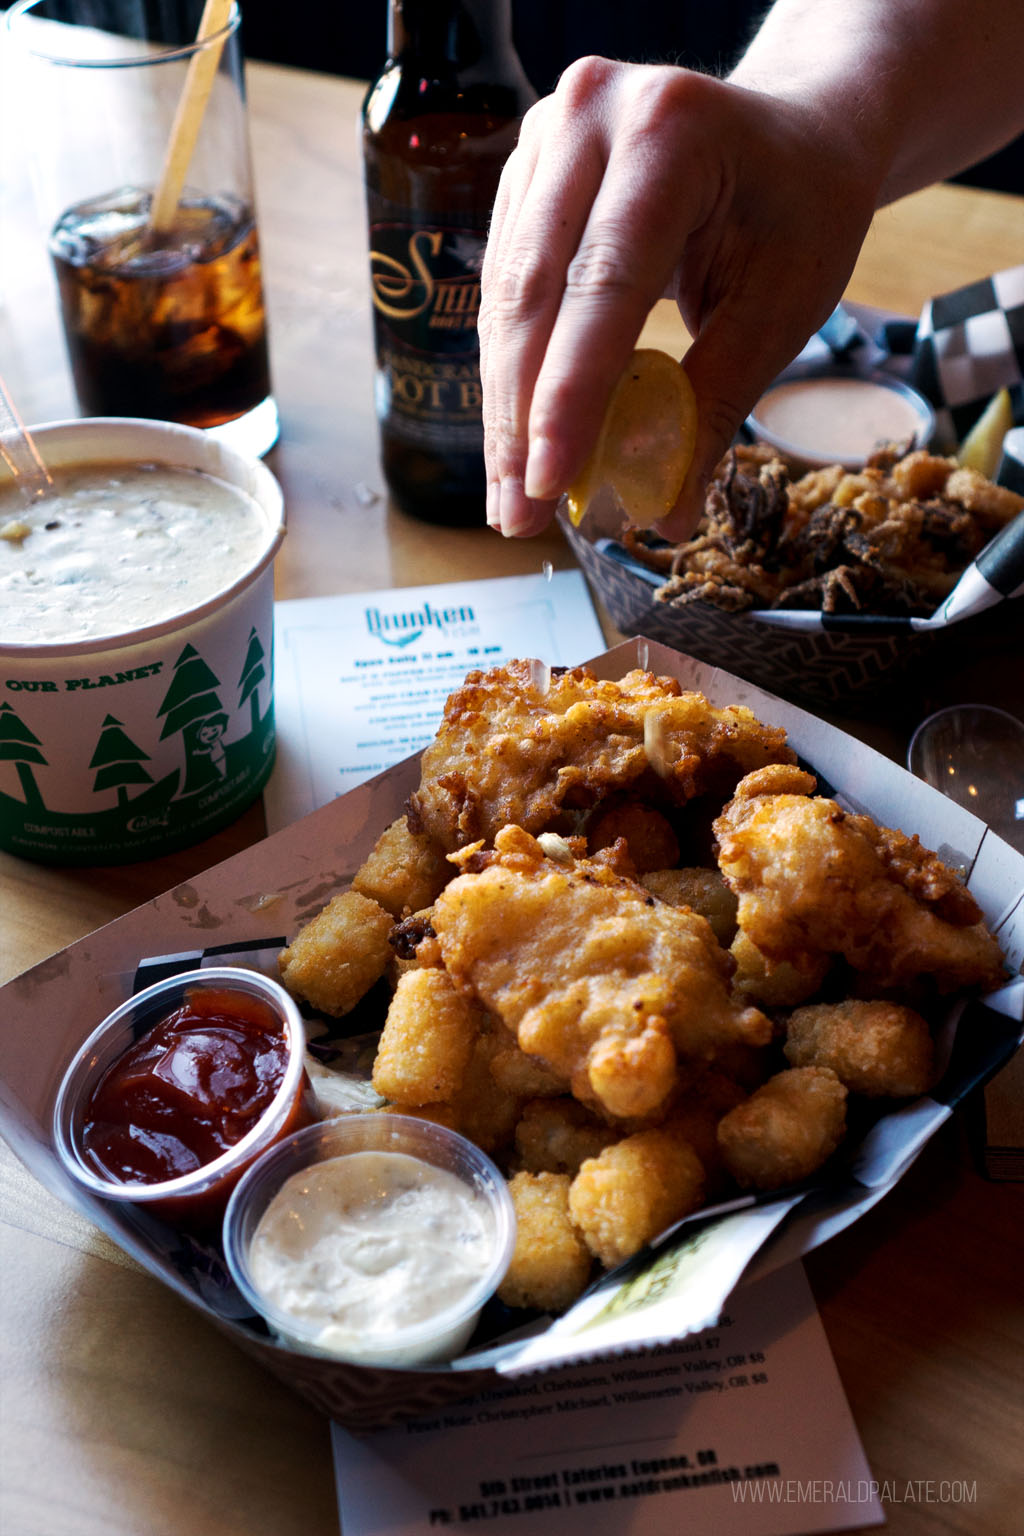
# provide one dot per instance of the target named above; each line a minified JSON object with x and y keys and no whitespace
{"x":464,"y":34}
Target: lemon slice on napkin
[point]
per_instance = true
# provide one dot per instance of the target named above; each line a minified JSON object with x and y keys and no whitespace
{"x":646,"y":441}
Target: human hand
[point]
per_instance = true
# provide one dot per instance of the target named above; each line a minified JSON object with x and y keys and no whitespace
{"x":632,"y":182}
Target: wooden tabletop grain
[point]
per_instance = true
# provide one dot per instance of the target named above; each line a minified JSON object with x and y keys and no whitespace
{"x":122,"y":1410}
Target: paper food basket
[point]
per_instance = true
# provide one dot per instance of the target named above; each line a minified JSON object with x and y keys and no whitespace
{"x":244,"y":909}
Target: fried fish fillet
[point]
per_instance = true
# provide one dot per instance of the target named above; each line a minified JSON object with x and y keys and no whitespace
{"x":520,"y":743}
{"x":610,"y":988}
{"x":813,"y":879}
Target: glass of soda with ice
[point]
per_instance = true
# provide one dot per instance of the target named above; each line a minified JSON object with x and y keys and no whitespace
{"x":162,"y":306}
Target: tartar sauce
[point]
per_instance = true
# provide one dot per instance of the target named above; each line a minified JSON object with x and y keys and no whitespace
{"x":359,"y":1248}
{"x":117,"y":547}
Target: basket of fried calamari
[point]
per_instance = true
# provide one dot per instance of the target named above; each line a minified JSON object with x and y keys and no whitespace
{"x":644,"y":958}
{"x":821,"y":584}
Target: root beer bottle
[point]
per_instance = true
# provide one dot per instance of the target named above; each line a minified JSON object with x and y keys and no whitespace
{"x":438,"y":126}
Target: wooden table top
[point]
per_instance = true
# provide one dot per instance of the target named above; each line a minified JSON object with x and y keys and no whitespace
{"x":122,"y":1409}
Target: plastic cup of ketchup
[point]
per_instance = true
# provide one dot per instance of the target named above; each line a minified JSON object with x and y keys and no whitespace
{"x":180,"y":1089}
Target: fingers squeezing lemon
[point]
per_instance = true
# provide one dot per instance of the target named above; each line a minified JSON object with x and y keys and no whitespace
{"x":646,"y":441}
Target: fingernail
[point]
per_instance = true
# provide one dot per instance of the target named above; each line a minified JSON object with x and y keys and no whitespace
{"x":541,"y":480}
{"x":493,"y":504}
{"x":515,"y":509}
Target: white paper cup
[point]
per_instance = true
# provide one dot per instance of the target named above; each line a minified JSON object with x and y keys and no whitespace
{"x":69,"y":710}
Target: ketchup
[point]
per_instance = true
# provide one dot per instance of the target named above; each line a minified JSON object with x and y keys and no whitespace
{"x":188,"y":1090}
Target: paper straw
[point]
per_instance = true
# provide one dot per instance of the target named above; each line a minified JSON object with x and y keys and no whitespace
{"x":18,"y":450}
{"x":189,"y":116}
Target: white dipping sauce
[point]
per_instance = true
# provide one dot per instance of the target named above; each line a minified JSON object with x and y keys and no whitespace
{"x":118,"y":547}
{"x":361,"y":1247}
{"x":842,"y":419}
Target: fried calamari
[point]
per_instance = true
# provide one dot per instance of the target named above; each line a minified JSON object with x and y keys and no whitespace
{"x":891,"y":538}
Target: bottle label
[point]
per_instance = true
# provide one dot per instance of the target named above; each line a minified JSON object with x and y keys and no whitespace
{"x":425,"y":281}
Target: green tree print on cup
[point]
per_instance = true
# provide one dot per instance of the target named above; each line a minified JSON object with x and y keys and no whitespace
{"x":253,"y":673}
{"x":118,"y":761}
{"x":20,"y":746}
{"x":193,"y":707}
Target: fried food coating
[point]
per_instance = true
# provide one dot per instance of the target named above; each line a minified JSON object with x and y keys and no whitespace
{"x":879,"y":1049}
{"x":647,"y":833}
{"x":786,"y":1130}
{"x":336,"y":958}
{"x":608,"y":987}
{"x":520,"y":743}
{"x":519,"y":1075}
{"x":633,"y":1190}
{"x":405,"y":871}
{"x":557,"y":1135}
{"x":427,"y":1040}
{"x":551,"y":1263}
{"x":775,"y":983}
{"x":892,"y":537}
{"x":485,"y":1111}
{"x":813,"y":879}
{"x":695,"y":1115}
{"x":703,"y":891}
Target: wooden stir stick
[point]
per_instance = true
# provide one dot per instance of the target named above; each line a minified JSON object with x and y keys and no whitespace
{"x":188,"y":117}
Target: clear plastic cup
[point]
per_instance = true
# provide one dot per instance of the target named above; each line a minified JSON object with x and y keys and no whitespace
{"x":437,"y":1337}
{"x":974,"y":753}
{"x":196,"y":1199}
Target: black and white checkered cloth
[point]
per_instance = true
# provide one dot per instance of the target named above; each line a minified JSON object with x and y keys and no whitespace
{"x":969,"y":344}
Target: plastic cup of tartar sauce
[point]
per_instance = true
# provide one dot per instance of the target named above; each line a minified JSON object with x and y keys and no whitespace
{"x":136,"y":642}
{"x":176,"y":1093}
{"x":375,"y":1238}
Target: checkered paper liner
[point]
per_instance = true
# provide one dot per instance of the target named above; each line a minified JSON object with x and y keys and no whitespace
{"x":967,"y":345}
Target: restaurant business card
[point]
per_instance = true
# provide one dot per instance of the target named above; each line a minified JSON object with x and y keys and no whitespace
{"x":741,"y":1430}
{"x":361,"y":679}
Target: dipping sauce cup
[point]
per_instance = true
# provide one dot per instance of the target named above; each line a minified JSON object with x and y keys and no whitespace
{"x":820,"y":414}
{"x":374,"y":1238}
{"x":180,"y":1089}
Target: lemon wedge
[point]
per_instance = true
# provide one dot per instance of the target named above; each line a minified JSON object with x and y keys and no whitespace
{"x":982,"y":448}
{"x":646,"y":441}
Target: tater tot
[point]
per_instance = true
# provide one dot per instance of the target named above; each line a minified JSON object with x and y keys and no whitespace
{"x":786,"y":1130}
{"x":557,"y":1135}
{"x":633,"y":1190}
{"x":427,"y":1040}
{"x":703,"y":891}
{"x":551,"y":1263}
{"x":648,"y":834}
{"x":337,"y":957}
{"x":880,"y":1049}
{"x":779,"y":983}
{"x":405,"y":872}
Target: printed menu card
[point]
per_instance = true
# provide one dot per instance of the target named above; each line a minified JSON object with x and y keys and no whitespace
{"x":740,"y":1430}
{"x":361,"y":679}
